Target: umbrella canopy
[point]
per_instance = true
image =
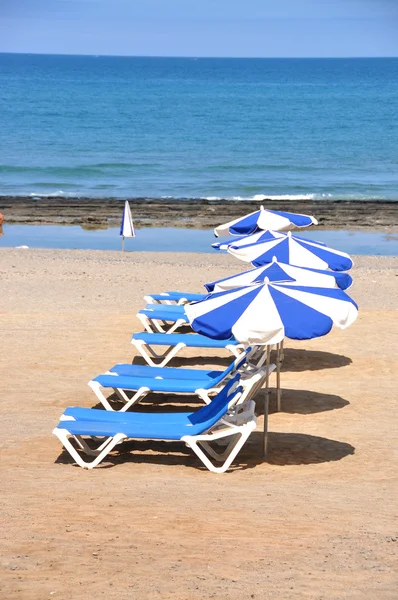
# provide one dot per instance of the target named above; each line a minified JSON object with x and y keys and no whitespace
{"x":127,"y":226}
{"x":280,"y":272}
{"x":293,"y":251}
{"x":232,"y":241}
{"x":265,"y":219}
{"x":256,"y":238}
{"x":265,"y":313}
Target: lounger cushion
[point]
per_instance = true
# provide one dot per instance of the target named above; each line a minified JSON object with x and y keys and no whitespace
{"x":182,"y":386}
{"x":191,"y":340}
{"x":165,"y":372}
{"x":191,"y":297}
{"x":196,"y":423}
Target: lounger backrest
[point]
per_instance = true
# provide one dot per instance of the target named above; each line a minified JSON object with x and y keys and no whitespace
{"x":211,"y":413}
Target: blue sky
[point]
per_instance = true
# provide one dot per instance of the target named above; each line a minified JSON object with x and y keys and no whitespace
{"x":262,"y":28}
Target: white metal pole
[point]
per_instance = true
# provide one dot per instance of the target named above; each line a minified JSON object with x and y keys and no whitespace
{"x":266,"y":405}
{"x":122,"y":243}
{"x":278,"y":377}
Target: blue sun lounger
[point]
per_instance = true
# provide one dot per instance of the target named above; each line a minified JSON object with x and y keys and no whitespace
{"x":173,"y":298}
{"x":204,"y":383}
{"x":163,"y":318}
{"x":77,"y":413}
{"x":197,"y":430}
{"x":174,"y":342}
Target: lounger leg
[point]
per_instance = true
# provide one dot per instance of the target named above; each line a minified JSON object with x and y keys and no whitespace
{"x":95,"y":386}
{"x":176,"y":325}
{"x":230,"y":453}
{"x":152,"y":325}
{"x":139,"y":394}
{"x":167,"y":355}
{"x":146,"y":323}
{"x":121,"y":395}
{"x":63,"y":435}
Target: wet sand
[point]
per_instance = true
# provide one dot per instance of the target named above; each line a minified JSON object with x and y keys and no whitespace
{"x":200,"y":214}
{"x":314,"y":521}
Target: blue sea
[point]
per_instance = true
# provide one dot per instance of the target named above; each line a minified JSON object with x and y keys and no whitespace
{"x":198,"y":128}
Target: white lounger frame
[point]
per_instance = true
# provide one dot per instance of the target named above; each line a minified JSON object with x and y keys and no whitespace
{"x":147,"y":352}
{"x":160,"y":326}
{"x":252,"y":379}
{"x":238,"y":425}
{"x":166,"y":300}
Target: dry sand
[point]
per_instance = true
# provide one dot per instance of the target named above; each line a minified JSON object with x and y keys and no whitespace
{"x":316,"y":520}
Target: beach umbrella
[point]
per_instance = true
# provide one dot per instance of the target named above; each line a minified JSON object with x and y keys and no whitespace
{"x":293,"y":251}
{"x":281,"y":272}
{"x":265,"y":219}
{"x":127,"y":226}
{"x":256,"y":238}
{"x":224,"y":245}
{"x":265,"y":313}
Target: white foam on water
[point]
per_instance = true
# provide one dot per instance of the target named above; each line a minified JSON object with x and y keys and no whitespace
{"x":51,"y":194}
{"x":260,"y":197}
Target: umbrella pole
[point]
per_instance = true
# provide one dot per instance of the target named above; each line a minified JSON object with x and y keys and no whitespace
{"x":279,"y":359}
{"x":122,"y":243}
{"x":266,"y":405}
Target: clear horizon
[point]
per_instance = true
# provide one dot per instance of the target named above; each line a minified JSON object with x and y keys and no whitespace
{"x":222,"y":29}
{"x":204,"y":57}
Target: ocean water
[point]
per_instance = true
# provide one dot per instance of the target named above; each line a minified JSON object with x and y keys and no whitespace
{"x":168,"y":239}
{"x":190,"y":128}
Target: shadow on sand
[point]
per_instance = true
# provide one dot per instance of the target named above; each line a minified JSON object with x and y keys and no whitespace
{"x":155,"y":403}
{"x":192,"y":361}
{"x":302,"y":402}
{"x":297,"y":360}
{"x":283,"y":449}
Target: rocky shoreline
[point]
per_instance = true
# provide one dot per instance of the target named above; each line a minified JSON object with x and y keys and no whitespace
{"x":192,"y":213}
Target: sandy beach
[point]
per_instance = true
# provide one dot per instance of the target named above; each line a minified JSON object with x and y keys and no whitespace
{"x":197,"y":213}
{"x":314,"y":521}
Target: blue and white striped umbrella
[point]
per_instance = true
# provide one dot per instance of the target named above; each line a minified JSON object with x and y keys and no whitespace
{"x":265,"y":313}
{"x":265,"y":219}
{"x":256,"y":238}
{"x":280,"y":272}
{"x":293,"y":251}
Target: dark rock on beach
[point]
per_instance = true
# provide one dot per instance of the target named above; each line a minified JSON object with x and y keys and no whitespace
{"x":195,"y":213}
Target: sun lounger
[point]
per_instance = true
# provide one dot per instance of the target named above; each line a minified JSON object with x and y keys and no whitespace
{"x":162,"y":318}
{"x":174,"y":342}
{"x":173,"y":298}
{"x":77,"y":413}
{"x":143,"y":380}
{"x":198,"y":430}
{"x":165,"y":319}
